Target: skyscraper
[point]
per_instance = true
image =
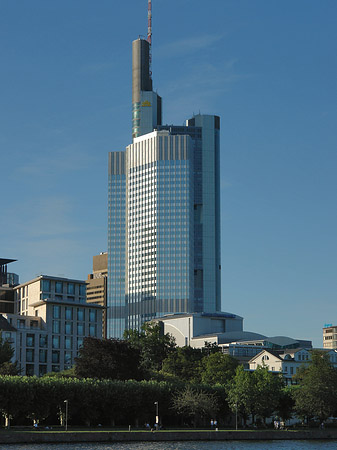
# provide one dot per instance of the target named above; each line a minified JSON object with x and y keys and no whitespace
{"x":146,"y":104}
{"x":163,"y":213}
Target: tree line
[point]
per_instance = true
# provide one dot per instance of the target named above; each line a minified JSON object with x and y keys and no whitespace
{"x":117,"y":382}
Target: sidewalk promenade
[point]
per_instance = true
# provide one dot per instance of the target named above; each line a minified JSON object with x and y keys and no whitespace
{"x":16,"y":437}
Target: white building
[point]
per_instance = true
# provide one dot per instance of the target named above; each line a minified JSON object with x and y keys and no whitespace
{"x":287,"y":361}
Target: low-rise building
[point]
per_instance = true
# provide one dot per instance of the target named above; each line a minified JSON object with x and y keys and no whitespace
{"x":51,"y":320}
{"x":286,"y":361}
{"x":197,"y":328}
{"x":226,"y":331}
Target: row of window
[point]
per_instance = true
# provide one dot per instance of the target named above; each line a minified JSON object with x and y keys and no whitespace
{"x":43,"y":341}
{"x":69,"y":328}
{"x":55,"y":356}
{"x":61,"y":285}
{"x":69,"y":313}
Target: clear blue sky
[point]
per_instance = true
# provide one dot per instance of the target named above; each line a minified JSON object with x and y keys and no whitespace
{"x":267,"y":67}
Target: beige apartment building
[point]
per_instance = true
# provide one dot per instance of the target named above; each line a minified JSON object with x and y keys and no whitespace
{"x":51,"y":320}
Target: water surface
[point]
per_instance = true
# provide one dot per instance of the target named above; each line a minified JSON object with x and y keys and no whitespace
{"x":193,"y":445}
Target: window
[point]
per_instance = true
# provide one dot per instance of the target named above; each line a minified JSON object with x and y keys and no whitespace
{"x":80,"y":329}
{"x":69,"y":328}
{"x":80,"y":314}
{"x":92,"y":330}
{"x":67,"y":359}
{"x":56,"y":342}
{"x":43,"y":356}
{"x":43,"y":340}
{"x":42,"y":370}
{"x":79,"y":343}
{"x":291,"y":370}
{"x":30,"y":355}
{"x":92,"y":315}
{"x":71,"y":289}
{"x":34,"y":324}
{"x":46,"y":285}
{"x":55,"y":368}
{"x":56,"y":311}
{"x":30,"y":340}
{"x":59,"y":287}
{"x":82,"y":290}
{"x":30,"y":370}
{"x":68,"y":342}
{"x":22,"y":323}
{"x":56,"y":326}
{"x":55,"y":356}
{"x":69,"y":313}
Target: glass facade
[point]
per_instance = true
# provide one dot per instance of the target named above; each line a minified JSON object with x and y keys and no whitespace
{"x":116,"y":245}
{"x":164,"y":225}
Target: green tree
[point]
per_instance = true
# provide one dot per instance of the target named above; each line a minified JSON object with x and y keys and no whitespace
{"x":183,"y":364}
{"x":7,"y":367}
{"x":108,"y":358}
{"x":267,"y":391}
{"x":154,"y":346}
{"x":255,"y":393}
{"x":217,"y":368}
{"x":241,"y":393}
{"x":286,"y":403}
{"x":317,"y":392}
{"x":195,"y":404}
{"x":15,"y":396}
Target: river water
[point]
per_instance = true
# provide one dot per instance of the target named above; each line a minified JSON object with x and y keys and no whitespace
{"x":232,"y":445}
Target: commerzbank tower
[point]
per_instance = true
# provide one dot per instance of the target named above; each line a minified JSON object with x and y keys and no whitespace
{"x":163,"y":211}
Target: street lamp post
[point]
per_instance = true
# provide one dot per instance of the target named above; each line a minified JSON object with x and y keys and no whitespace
{"x":66,"y":424}
{"x":157,"y":414}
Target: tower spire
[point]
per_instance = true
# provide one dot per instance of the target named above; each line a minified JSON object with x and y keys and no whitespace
{"x":149,"y":33}
{"x":149,"y":22}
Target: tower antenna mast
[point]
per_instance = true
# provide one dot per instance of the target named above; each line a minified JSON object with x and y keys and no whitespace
{"x":149,"y":32}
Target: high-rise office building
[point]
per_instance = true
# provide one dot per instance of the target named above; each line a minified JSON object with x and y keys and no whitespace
{"x":163,"y":214}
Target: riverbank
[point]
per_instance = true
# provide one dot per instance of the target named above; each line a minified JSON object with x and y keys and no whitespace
{"x":40,"y":437}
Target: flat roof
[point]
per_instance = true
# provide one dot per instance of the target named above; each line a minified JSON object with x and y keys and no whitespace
{"x":4,"y":261}
{"x":49,"y":277}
